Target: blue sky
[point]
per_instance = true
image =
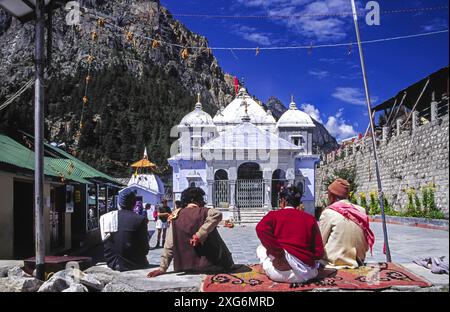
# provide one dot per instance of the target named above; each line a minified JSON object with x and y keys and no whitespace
{"x":326,"y":83}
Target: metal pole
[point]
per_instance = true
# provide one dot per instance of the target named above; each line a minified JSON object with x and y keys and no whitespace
{"x":375,"y":154}
{"x":38,"y":141}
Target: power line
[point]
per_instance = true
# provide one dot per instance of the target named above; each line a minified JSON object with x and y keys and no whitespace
{"x":298,"y":47}
{"x":24,"y":88}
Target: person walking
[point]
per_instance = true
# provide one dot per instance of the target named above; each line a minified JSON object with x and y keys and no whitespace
{"x":162,"y":225}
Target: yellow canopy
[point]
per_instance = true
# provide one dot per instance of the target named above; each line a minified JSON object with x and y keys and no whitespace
{"x":143,"y":163}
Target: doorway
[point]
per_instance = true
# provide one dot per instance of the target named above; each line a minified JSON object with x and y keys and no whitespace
{"x":57,"y":211}
{"x":23,"y":240}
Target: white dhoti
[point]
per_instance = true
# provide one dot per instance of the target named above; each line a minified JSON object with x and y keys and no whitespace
{"x":299,"y":273}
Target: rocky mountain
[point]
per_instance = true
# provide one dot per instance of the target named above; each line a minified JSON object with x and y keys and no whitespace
{"x":323,"y":140}
{"x":275,"y":106}
{"x":136,"y":88}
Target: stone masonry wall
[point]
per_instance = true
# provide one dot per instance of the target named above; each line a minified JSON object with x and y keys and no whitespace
{"x":411,"y":159}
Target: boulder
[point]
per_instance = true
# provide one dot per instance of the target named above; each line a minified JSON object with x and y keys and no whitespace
{"x":17,"y":272}
{"x":55,"y":284}
{"x":76,"y":288}
{"x":19,"y":284}
{"x":68,"y":278}
{"x":91,"y":282}
{"x":7,"y":265}
{"x":102,"y":273}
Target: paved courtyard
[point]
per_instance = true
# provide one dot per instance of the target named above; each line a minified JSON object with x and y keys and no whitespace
{"x":406,"y":243}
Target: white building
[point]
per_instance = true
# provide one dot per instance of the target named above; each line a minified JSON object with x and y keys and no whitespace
{"x":147,"y":185}
{"x":242,"y":156}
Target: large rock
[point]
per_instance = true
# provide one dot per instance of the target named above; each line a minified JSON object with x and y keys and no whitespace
{"x":76,"y":288}
{"x":55,"y":284}
{"x":6,"y":265}
{"x":102,"y":273}
{"x":137,"y":281}
{"x":19,"y":284}
{"x":65,"y":279}
{"x":17,"y":272}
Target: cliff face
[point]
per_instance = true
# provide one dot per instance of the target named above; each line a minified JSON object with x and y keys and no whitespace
{"x":322,"y":139}
{"x":137,"y":91}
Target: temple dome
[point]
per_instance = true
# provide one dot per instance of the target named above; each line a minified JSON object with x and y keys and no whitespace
{"x":198,"y":117}
{"x":150,"y":182}
{"x":270,"y":118}
{"x":233,"y":112}
{"x":294,"y":117}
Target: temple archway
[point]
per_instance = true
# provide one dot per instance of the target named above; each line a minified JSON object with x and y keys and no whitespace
{"x":221,"y":189}
{"x":278,"y":181}
{"x":250,"y":186}
{"x":249,"y":171}
{"x":221,"y":175}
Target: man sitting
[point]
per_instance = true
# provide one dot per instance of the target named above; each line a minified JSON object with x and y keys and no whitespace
{"x":291,"y":241}
{"x":124,"y":235}
{"x":193,"y":241}
{"x":345,"y":229}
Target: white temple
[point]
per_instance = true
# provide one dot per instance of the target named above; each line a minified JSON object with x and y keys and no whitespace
{"x":145,"y":183}
{"x":242,"y":156}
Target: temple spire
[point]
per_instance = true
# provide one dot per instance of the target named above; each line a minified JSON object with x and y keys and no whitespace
{"x":145,"y":153}
{"x":292,"y":105}
{"x":198,"y":105}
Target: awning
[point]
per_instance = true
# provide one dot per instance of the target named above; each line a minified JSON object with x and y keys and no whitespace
{"x":438,"y":84}
{"x":143,"y":163}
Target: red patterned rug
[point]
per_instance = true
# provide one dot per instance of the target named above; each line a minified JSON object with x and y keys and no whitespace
{"x":371,"y":277}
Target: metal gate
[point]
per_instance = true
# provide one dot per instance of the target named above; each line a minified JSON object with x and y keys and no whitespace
{"x":250,"y":193}
{"x":221,"y":193}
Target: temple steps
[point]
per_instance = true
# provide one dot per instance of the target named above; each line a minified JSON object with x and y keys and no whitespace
{"x":250,"y":216}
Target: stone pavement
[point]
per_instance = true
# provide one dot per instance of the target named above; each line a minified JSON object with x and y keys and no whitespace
{"x":406,"y":243}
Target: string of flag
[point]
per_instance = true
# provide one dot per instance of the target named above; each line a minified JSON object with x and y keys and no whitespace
{"x":293,"y":16}
{"x":90,"y":59}
{"x":156,"y":42}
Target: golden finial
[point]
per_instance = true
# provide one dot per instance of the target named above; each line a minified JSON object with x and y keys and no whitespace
{"x":198,"y":97}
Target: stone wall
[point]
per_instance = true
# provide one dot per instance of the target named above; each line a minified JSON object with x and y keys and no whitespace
{"x":413,"y":158}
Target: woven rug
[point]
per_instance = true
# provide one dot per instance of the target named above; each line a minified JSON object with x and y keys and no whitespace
{"x":372,"y":277}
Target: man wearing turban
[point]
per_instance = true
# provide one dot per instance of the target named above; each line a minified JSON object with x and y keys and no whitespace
{"x":126,"y":246}
{"x":345,"y":229}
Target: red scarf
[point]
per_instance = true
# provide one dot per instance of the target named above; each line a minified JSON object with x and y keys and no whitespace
{"x":353,"y":214}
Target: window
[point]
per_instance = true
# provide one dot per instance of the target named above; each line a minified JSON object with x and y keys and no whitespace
{"x":297,"y":140}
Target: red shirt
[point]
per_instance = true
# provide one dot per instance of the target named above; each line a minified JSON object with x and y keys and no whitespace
{"x":292,"y":230}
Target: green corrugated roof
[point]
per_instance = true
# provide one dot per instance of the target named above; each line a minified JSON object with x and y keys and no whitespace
{"x":70,"y":168}
{"x":89,"y":171}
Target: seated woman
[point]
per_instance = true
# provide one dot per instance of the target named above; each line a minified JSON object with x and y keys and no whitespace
{"x":193,"y":241}
{"x":345,"y":229}
{"x":291,"y":241}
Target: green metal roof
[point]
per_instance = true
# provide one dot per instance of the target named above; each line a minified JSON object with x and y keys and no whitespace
{"x":68,"y":168}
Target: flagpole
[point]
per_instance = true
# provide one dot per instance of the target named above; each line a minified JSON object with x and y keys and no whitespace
{"x":372,"y":128}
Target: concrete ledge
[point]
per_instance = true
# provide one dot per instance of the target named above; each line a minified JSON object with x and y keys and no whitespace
{"x":437,"y":224}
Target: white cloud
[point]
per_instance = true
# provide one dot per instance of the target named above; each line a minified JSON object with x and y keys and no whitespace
{"x":316,"y":20}
{"x":312,"y":111}
{"x":336,"y":125}
{"x":350,"y":95}
{"x":320,"y":74}
{"x":435,"y":25}
{"x":251,"y":34}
